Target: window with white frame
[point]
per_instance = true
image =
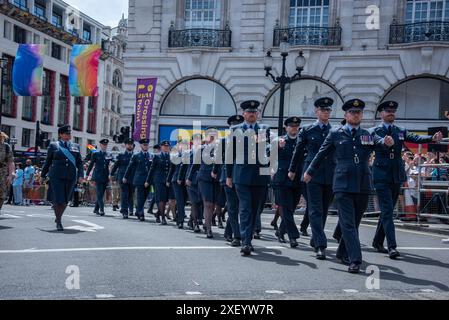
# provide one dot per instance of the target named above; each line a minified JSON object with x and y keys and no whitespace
{"x":202,"y":14}
{"x":309,"y":13}
{"x":427,"y":10}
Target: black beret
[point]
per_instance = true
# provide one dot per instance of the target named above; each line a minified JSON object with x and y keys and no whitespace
{"x":157,"y":147}
{"x":65,"y":129}
{"x":354,"y":104}
{"x":129,"y":141}
{"x":237,"y":119}
{"x":144,"y":141}
{"x":250,"y":105}
{"x":324,"y":103}
{"x":292,"y":121}
{"x":388,"y":105}
{"x":104,"y":141}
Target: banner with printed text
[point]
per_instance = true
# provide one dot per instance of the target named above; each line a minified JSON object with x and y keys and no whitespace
{"x":146,"y":89}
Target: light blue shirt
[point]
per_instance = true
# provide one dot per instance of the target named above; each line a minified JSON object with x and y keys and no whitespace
{"x":349,"y":128}
{"x":29,"y":174}
{"x":18,"y":180}
{"x":321,"y":124}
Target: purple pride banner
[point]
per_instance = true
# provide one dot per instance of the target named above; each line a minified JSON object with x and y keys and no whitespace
{"x":146,"y":89}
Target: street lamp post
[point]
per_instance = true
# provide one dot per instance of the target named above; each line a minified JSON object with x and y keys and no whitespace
{"x":284,"y":79}
{"x":3,"y":66}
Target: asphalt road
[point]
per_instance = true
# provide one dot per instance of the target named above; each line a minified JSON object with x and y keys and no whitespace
{"x":132,"y":260}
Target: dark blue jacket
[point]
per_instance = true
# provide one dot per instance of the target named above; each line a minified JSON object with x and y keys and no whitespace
{"x":285,"y":155}
{"x":138,"y":168}
{"x":101,"y":161}
{"x":159,"y":169}
{"x":57,"y":166}
{"x":247,"y":173}
{"x":310,"y":140}
{"x":352,"y":172}
{"x":121,"y":164}
{"x":204,"y":169}
{"x":388,"y":166}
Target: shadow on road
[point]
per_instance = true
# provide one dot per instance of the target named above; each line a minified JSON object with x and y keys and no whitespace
{"x":5,"y":228}
{"x":66,"y":231}
{"x":274,"y":255}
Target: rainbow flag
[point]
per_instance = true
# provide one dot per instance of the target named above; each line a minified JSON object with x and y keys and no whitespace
{"x":83,"y":75}
{"x":28,"y":69}
{"x":91,"y":148}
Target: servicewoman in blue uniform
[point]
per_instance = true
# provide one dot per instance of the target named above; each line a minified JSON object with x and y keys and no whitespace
{"x":352,"y":147}
{"x":192,"y":189}
{"x":232,"y":230}
{"x":389,"y":173}
{"x":244,"y":170}
{"x":319,"y":190}
{"x":64,"y":167}
{"x":208,"y":183}
{"x":179,"y":187}
{"x":157,"y":176}
{"x":100,"y":160}
{"x":137,"y":173}
{"x":126,"y":189}
{"x":287,"y":191}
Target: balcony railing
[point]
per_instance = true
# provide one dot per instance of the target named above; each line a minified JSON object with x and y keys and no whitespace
{"x":308,"y":36}
{"x":419,"y":32}
{"x":199,"y":38}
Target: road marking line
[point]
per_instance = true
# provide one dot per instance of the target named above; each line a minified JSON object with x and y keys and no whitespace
{"x":196,"y":283}
{"x":350,"y":290}
{"x":274,"y":292}
{"x":10,"y":216}
{"x":173,"y":248}
{"x":91,"y":227}
{"x":427,"y":290}
{"x":410,"y":231}
{"x":104,"y":296}
{"x":193,"y":293}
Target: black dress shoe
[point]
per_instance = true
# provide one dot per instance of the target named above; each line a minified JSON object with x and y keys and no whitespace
{"x":274,"y":225}
{"x":158,"y":220}
{"x":394,"y":254}
{"x":354,"y":268}
{"x":281,"y":239}
{"x":379,"y":248}
{"x":142,"y":218}
{"x":102,"y":213}
{"x":293,"y":243}
{"x":164,"y":222}
{"x":321,"y":254}
{"x":131,"y":214}
{"x":125,"y":216}
{"x":210,"y":235}
{"x":114,"y":208}
{"x":246,"y":251}
{"x":304,"y":233}
{"x":197,"y":229}
{"x":345,"y":260}
{"x":228,"y":239}
{"x":236,"y":243}
{"x":59,"y":226}
{"x":97,"y":212}
{"x":252,"y":248}
{"x":220,"y":225}
{"x":180,"y":226}
{"x":257,"y":235}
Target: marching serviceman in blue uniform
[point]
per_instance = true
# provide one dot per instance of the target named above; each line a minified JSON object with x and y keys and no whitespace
{"x":319,"y":190}
{"x":119,"y":169}
{"x":101,"y":161}
{"x":208,"y":183}
{"x":179,"y":187}
{"x":232,"y":201}
{"x":136,"y":174}
{"x":64,"y":167}
{"x":353,"y":147}
{"x":244,"y":170}
{"x":389,"y":173}
{"x":193,"y":190}
{"x":288,"y":191}
{"x":157,"y":176}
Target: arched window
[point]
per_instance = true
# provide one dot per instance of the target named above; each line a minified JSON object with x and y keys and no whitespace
{"x":300,"y":97}
{"x":117,"y":79}
{"x":420,"y":98}
{"x":198,"y":97}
